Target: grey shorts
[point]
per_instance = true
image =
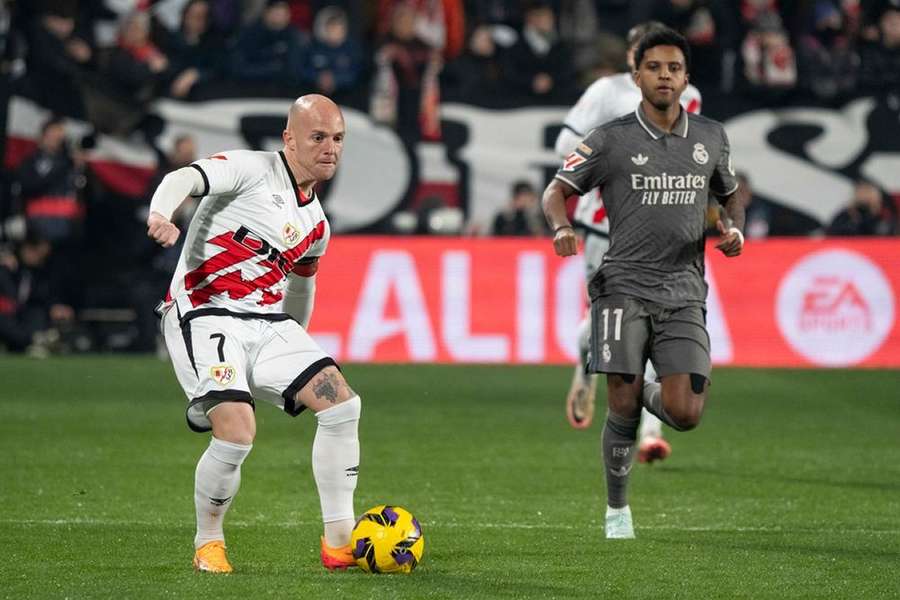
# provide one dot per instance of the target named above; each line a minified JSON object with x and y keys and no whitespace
{"x":626,"y":331}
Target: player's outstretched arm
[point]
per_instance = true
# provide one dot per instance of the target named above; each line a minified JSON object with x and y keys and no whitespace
{"x":731,"y":227}
{"x":300,"y":295}
{"x":565,"y":243}
{"x":171,"y":193}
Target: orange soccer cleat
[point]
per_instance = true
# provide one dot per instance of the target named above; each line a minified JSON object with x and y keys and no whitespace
{"x":337,"y":558}
{"x":210,"y":558}
{"x":653,"y":449}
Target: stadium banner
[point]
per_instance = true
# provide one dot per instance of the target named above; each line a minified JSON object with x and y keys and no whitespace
{"x":783,"y":303}
{"x":802,"y":158}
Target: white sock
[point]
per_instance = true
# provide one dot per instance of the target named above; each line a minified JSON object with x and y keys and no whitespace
{"x":216,"y":482}
{"x":650,"y":373}
{"x":651,"y":426}
{"x":611,"y":512}
{"x":335,"y":464}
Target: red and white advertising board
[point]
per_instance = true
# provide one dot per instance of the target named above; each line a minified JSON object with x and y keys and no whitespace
{"x":783,"y":303}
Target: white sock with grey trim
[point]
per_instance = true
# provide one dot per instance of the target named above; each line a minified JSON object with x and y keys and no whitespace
{"x":216,"y":482}
{"x":335,"y":464}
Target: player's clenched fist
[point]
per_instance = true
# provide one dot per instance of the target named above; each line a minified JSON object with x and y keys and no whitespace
{"x":162,"y":230}
{"x":732,"y":240}
{"x":564,"y":241}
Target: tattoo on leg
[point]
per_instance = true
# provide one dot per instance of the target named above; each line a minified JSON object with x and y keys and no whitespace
{"x":327,"y":388}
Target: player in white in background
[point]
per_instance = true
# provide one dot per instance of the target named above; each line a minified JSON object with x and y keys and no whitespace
{"x":606,"y":99}
{"x":236,"y":313}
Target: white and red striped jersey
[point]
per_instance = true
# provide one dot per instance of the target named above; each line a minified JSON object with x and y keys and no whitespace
{"x":606,"y":99}
{"x":248,"y":233}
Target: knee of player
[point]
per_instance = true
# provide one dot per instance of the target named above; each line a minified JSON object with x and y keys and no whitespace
{"x":686,"y":415}
{"x":233,"y":422}
{"x":686,"y":423}
{"x":341,"y":414}
{"x":329,"y":386}
{"x":236,"y":434}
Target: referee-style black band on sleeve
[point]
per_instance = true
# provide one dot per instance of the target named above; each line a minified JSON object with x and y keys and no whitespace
{"x":205,"y":181}
{"x":292,"y":408}
{"x":572,"y":129}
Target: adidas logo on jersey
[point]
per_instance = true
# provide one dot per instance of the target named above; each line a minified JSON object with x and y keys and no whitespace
{"x":640,"y":160}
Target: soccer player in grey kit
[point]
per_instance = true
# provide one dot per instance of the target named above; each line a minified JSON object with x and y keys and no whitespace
{"x":656,"y":168}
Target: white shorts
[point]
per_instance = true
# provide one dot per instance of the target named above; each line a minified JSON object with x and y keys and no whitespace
{"x":220,"y":358}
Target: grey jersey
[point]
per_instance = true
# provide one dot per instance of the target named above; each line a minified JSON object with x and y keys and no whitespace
{"x":656,"y":187}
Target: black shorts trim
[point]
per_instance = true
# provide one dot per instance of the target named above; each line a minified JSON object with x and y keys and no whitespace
{"x":572,"y":129}
{"x":188,"y":343}
{"x":224,"y":312}
{"x":205,"y":181}
{"x":301,"y":380}
{"x":214,"y":398}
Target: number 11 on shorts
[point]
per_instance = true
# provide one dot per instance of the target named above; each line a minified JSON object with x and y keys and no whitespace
{"x":617,"y":329}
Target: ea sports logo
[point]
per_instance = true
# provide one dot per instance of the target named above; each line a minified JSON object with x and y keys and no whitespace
{"x":835,"y":307}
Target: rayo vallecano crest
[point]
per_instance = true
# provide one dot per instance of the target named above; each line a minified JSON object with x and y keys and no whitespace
{"x":290,"y":234}
{"x":701,"y":156}
{"x":222,"y":373}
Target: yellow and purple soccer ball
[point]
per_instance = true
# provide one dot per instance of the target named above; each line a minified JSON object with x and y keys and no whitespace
{"x":387,"y":539}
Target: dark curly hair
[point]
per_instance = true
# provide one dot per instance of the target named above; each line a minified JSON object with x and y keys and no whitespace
{"x":663,"y":36}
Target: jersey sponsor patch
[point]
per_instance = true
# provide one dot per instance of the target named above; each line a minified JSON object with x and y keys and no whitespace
{"x":585,"y":149}
{"x":573,"y":161}
{"x":223,"y":373}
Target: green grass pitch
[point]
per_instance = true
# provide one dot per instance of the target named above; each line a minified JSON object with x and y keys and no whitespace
{"x":790,"y":488}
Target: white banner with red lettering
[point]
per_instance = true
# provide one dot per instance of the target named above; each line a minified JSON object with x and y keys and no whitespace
{"x":783,"y":303}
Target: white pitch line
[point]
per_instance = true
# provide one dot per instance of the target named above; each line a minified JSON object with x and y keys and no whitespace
{"x":455,"y":524}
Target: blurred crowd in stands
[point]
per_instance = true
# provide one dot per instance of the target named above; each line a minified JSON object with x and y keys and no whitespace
{"x":105,"y":61}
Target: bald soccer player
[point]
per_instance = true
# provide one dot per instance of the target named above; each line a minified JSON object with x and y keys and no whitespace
{"x":656,"y":167}
{"x":236,"y":313}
